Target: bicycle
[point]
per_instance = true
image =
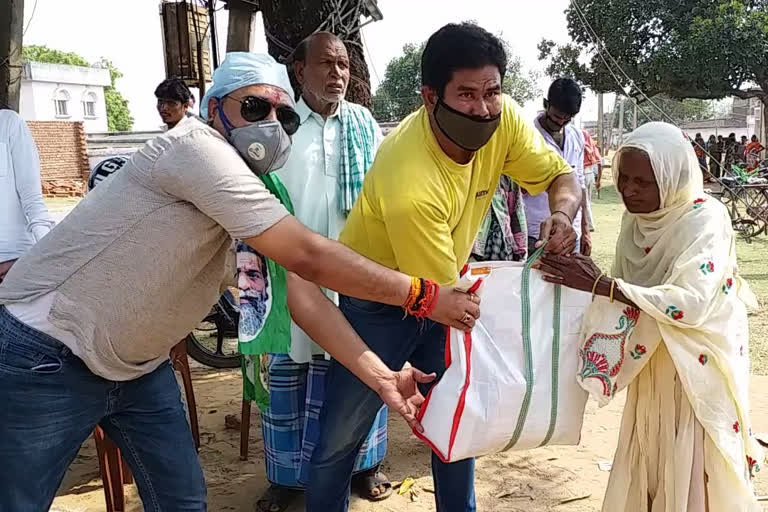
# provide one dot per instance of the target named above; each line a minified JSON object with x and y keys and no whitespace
{"x":214,"y":342}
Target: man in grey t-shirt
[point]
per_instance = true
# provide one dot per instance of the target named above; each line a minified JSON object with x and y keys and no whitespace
{"x":88,"y":316}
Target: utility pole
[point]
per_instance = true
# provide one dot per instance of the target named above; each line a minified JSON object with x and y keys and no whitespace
{"x":11,"y":33}
{"x":210,"y":4}
{"x":241,"y":14}
{"x":621,"y":121}
{"x":611,"y":124}
{"x":634,"y":116}
{"x":600,"y":127}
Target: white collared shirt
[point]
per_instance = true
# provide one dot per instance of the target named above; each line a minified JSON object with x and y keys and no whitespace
{"x":311,"y":177}
{"x":537,"y":207}
{"x":24,"y":218}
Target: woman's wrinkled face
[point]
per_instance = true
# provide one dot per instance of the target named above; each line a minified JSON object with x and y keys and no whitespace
{"x":637,"y":182}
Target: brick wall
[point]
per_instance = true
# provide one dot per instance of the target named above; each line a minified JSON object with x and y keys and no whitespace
{"x":63,"y":158}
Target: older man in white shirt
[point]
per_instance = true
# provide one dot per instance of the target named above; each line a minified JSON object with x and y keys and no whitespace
{"x":331,"y":152}
{"x":24,"y":218}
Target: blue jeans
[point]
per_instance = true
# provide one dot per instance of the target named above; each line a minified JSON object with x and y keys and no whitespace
{"x":350,"y":408}
{"x":51,"y":403}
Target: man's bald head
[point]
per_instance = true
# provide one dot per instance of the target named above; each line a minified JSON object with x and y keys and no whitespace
{"x":321,"y":66}
{"x":304,"y":47}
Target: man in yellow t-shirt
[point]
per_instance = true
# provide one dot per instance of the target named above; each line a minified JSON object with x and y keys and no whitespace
{"x":419,"y":212}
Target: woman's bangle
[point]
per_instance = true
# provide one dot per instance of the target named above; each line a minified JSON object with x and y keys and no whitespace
{"x":613,"y":288}
{"x":594,"y":285}
{"x":570,"y":220}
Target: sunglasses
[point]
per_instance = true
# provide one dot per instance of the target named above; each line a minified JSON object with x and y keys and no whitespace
{"x":254,"y":109}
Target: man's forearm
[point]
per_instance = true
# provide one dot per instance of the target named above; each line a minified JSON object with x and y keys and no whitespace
{"x":339,"y":268}
{"x":330,"y":264}
{"x":325,"y":324}
{"x":565,"y":194}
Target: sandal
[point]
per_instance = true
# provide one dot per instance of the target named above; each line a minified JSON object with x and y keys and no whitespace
{"x":373,"y":485}
{"x":276,"y":499}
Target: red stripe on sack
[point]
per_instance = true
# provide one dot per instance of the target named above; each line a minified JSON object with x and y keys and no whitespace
{"x":464,"y":270}
{"x":463,"y":396}
{"x":475,"y":286}
{"x":419,"y":415}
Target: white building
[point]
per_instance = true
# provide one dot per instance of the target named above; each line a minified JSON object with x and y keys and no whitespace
{"x":717,"y":127}
{"x":56,"y":92}
{"x":745,"y":119}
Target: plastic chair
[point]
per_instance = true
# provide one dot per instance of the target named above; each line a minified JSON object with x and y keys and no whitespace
{"x":114,"y":471}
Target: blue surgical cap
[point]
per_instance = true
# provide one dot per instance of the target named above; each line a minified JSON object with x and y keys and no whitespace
{"x":241,"y":69}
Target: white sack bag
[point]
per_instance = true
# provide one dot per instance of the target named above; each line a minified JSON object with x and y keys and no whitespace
{"x":511,"y":383}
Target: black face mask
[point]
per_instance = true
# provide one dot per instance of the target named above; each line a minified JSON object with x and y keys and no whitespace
{"x":470,"y":133}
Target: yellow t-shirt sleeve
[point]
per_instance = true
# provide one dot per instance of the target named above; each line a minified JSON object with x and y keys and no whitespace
{"x":421,"y":240}
{"x":529,"y":160}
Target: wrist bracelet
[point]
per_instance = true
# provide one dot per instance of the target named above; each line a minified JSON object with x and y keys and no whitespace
{"x":594,"y":286}
{"x":422,"y":298}
{"x":613,"y":288}
{"x":413,"y":294}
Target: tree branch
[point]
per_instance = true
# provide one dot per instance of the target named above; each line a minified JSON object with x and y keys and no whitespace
{"x":753,"y":93}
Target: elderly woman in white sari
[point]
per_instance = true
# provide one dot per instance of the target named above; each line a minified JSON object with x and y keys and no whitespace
{"x":671,"y":325}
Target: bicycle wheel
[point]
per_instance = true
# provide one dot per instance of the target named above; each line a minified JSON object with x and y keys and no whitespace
{"x":748,"y":228}
{"x":730,"y":199}
{"x":758,"y":208}
{"x":213,"y":343}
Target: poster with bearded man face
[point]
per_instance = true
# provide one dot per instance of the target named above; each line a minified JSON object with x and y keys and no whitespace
{"x":255,"y":291}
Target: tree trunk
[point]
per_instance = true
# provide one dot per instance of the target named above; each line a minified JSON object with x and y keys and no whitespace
{"x":764,"y":123}
{"x":288,"y":22}
{"x":11,"y":22}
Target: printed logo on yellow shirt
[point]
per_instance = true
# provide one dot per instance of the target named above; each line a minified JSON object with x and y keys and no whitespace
{"x":481,"y":193}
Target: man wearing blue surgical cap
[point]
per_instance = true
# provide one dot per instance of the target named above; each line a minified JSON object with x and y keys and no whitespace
{"x":88,"y":315}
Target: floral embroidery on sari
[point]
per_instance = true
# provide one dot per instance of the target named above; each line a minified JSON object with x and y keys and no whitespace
{"x":603,"y":354}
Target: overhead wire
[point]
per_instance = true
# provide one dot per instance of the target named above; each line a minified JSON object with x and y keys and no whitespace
{"x":370,"y":57}
{"x":597,"y":41}
{"x":601,"y":48}
{"x":599,"y":44}
{"x":29,"y":22}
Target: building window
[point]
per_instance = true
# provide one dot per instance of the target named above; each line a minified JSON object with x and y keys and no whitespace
{"x":61,"y":103}
{"x":89,"y":105}
{"x":89,"y":109}
{"x":61,"y":108}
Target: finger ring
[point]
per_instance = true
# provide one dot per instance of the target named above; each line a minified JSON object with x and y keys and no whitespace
{"x":466,"y":319}
{"x":473,"y":298}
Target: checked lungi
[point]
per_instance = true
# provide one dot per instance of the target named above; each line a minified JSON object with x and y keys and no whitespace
{"x":290,"y":424}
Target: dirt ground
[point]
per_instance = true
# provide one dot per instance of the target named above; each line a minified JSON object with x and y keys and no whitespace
{"x":533,"y":481}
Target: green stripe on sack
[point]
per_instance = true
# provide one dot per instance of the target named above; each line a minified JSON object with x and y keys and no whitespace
{"x":555,"y":364}
{"x":525,"y":298}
